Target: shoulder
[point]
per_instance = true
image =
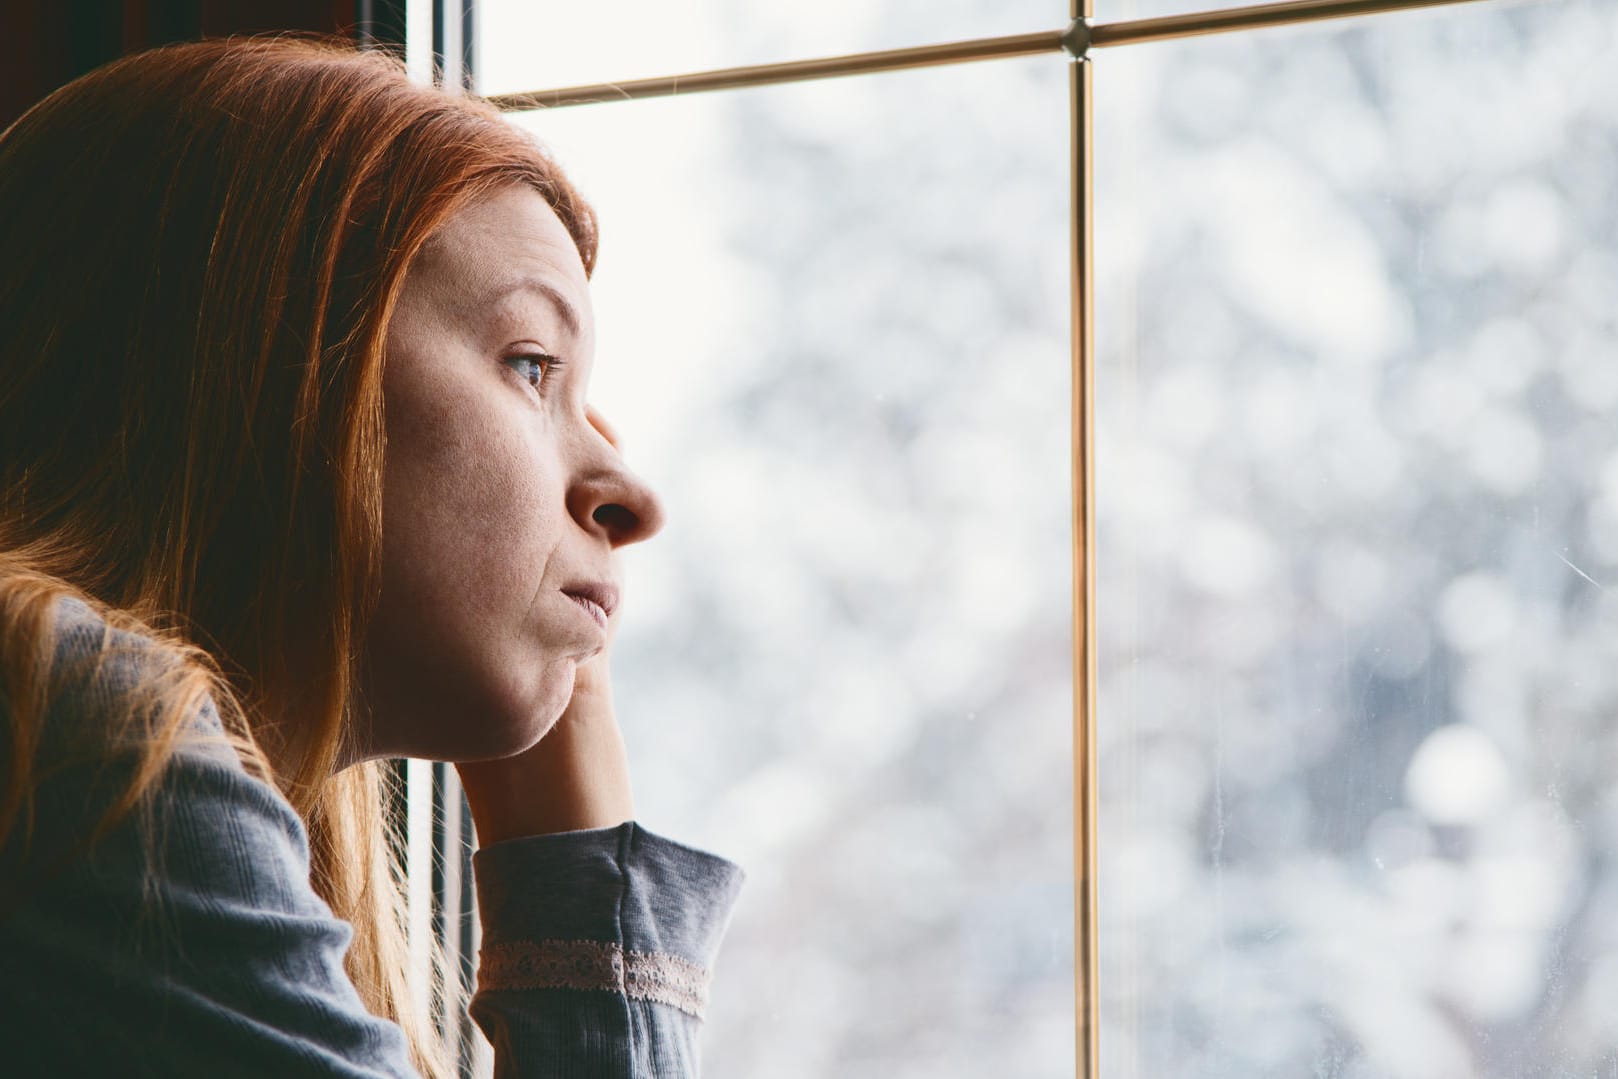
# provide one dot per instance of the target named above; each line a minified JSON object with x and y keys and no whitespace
{"x":87,"y":752}
{"x":194,"y":932}
{"x":100,"y":673}
{"x":92,"y":657}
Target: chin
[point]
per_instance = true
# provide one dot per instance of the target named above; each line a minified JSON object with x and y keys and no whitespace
{"x":496,"y":745}
{"x":472,"y":714}
{"x":518,"y":726}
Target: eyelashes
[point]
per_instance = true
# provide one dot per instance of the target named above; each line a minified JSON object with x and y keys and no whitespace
{"x":536,"y":367}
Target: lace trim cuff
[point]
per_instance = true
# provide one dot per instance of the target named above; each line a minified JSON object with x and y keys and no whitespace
{"x":588,"y":964}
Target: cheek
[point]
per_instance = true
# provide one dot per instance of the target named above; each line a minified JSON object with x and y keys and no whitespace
{"x":472,"y":511}
{"x":469,"y":511}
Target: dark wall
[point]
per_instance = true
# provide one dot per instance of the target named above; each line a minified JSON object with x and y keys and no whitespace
{"x":45,"y":43}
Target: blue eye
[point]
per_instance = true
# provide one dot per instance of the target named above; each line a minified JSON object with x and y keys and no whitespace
{"x":536,"y":367}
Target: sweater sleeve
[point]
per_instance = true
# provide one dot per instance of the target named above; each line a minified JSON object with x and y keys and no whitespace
{"x":597,"y":951}
{"x":208,"y":953}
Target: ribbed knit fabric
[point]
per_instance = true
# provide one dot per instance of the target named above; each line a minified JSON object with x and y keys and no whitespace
{"x":597,"y":945}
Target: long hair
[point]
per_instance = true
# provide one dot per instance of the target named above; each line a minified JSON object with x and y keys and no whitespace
{"x":200,"y":250}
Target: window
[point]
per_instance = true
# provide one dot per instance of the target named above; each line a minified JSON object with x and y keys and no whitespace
{"x":845,"y":663}
{"x":1355,"y":388}
{"x":1352,"y":527}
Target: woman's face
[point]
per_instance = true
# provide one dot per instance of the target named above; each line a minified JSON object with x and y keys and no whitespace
{"x":503,"y":491}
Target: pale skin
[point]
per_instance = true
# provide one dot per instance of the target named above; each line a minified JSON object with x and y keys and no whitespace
{"x":502,"y":488}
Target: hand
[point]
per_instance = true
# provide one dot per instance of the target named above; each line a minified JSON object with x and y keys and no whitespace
{"x":576,"y":776}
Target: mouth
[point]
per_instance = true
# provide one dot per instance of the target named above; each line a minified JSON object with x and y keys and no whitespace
{"x":594,"y":600}
{"x":591,"y":607}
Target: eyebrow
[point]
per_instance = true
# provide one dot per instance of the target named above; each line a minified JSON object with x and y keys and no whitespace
{"x":564,"y":306}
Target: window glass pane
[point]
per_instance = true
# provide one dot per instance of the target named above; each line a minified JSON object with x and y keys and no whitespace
{"x":1358,"y":503}
{"x":545,"y":44}
{"x":839,"y":350}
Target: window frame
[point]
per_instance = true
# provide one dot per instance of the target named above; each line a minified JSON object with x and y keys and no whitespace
{"x":431,"y":807}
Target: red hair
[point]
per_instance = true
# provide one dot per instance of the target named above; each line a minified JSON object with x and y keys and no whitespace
{"x":200,"y":250}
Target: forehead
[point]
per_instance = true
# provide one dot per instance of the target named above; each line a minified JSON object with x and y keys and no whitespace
{"x":507,"y":249}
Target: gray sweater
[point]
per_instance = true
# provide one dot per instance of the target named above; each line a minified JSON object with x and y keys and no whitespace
{"x":597,"y":945}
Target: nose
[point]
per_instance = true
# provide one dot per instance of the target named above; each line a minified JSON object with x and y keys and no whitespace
{"x":613,"y":499}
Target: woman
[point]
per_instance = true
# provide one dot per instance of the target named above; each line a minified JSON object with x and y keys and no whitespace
{"x":296,"y":474}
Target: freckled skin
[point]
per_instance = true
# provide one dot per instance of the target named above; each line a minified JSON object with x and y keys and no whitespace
{"x":495,"y":496}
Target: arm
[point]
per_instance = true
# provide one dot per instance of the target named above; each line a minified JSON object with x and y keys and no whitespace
{"x":597,"y":948}
{"x":239,"y":969}
{"x":598,"y":936}
{"x":594,"y":964}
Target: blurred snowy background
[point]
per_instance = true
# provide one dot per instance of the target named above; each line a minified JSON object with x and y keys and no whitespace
{"x":1359,"y":510}
{"x":1358,"y":500}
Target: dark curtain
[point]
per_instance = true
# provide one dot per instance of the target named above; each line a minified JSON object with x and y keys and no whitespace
{"x":45,"y":43}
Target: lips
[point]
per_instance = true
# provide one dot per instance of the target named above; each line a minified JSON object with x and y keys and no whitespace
{"x":597,"y":598}
{"x":592,"y":608}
